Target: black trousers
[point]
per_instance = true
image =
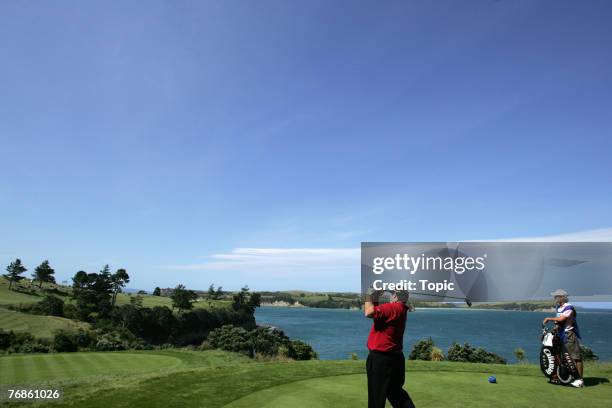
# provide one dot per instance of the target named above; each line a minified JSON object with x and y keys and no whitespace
{"x":386,"y":375}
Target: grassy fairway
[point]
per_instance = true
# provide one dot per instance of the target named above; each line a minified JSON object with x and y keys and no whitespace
{"x":10,"y":297}
{"x":217,"y":379}
{"x":20,"y":369}
{"x":428,"y":389}
{"x":38,"y":326}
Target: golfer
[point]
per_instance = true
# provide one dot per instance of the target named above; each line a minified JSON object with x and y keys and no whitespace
{"x":386,"y":364}
{"x":567,"y":330}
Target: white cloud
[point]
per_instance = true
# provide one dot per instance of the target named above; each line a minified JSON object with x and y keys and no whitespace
{"x":596,"y":235}
{"x":279,"y":260}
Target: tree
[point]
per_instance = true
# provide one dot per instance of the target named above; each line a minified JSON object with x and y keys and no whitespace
{"x":118,"y":281}
{"x":43,"y":273}
{"x":245,"y":300}
{"x":15,"y":269}
{"x":50,"y":306}
{"x":183,"y":298}
{"x":211,"y":291}
{"x":219,"y":292}
{"x":157,"y":291}
{"x":92,"y":293}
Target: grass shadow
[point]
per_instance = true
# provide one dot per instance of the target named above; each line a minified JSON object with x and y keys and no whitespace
{"x":592,"y":381}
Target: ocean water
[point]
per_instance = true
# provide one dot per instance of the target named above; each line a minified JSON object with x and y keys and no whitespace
{"x":336,"y":333}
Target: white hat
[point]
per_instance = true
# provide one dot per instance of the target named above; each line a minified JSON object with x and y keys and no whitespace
{"x":559,"y":292}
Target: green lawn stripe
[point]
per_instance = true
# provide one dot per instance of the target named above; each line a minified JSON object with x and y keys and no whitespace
{"x":64,"y":366}
{"x":42,"y":366}
{"x":107,"y":362}
{"x":7,"y":370}
{"x":95,"y":363}
{"x":19,"y":370}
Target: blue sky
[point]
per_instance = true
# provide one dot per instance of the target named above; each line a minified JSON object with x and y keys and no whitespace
{"x":260,"y":142}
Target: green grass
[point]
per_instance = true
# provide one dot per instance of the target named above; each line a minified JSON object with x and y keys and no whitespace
{"x":11,"y":297}
{"x":174,"y":378}
{"x":38,"y":326}
{"x":152,"y":301}
{"x":20,"y":369}
{"x":428,"y":389}
{"x":14,"y":297}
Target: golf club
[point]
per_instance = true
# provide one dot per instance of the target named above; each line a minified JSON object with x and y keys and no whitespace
{"x":465,"y":299}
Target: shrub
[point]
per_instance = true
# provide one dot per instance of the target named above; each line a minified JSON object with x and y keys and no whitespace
{"x":266,"y":341}
{"x":467,"y":353}
{"x":64,"y":341}
{"x":206,"y":346}
{"x":480,"y":355}
{"x":259,"y":342}
{"x":6,"y":339}
{"x":588,"y":354}
{"x":22,"y":307}
{"x":71,"y":312}
{"x":36,"y":346}
{"x":437,"y":354}
{"x":304,"y":351}
{"x":111,"y":341}
{"x":284,"y":351}
{"x":12,"y":342}
{"x":519,"y":353}
{"x":50,"y":306}
{"x":231,"y":338}
{"x":422,"y":350}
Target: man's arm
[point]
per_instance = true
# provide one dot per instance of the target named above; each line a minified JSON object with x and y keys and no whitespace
{"x":559,"y":319}
{"x":371,"y":300}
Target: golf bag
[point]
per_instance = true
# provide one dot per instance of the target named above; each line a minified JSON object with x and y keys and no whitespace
{"x":555,"y":362}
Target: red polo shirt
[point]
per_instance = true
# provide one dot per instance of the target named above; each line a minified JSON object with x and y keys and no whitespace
{"x":387,"y":333}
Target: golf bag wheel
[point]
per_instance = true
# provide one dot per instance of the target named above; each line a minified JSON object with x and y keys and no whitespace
{"x":564,"y":374}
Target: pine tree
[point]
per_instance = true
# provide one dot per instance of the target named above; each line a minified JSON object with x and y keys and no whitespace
{"x":118,"y":280}
{"x":43,"y":273}
{"x":15,"y":269}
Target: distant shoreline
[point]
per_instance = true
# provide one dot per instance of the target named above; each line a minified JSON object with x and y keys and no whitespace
{"x":297,"y":305}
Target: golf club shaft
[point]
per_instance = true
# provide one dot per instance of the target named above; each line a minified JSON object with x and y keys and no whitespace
{"x":433,"y":294}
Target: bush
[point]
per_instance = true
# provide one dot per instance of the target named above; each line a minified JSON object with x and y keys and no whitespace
{"x":467,"y":353}
{"x":206,"y":346}
{"x":588,"y":354}
{"x":266,"y":341}
{"x":12,"y":342}
{"x":22,"y":307}
{"x":437,"y":354}
{"x":231,"y":338}
{"x":284,"y":352}
{"x":71,"y":312}
{"x":519,"y":353}
{"x":6,"y":339}
{"x":262,"y":341}
{"x":422,"y":350}
{"x":50,"y":306}
{"x":64,"y":341}
{"x":304,"y":351}
{"x":111,"y":341}
{"x":36,"y":346}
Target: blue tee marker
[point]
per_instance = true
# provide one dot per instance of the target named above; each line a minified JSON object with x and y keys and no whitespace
{"x":492,"y":379}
